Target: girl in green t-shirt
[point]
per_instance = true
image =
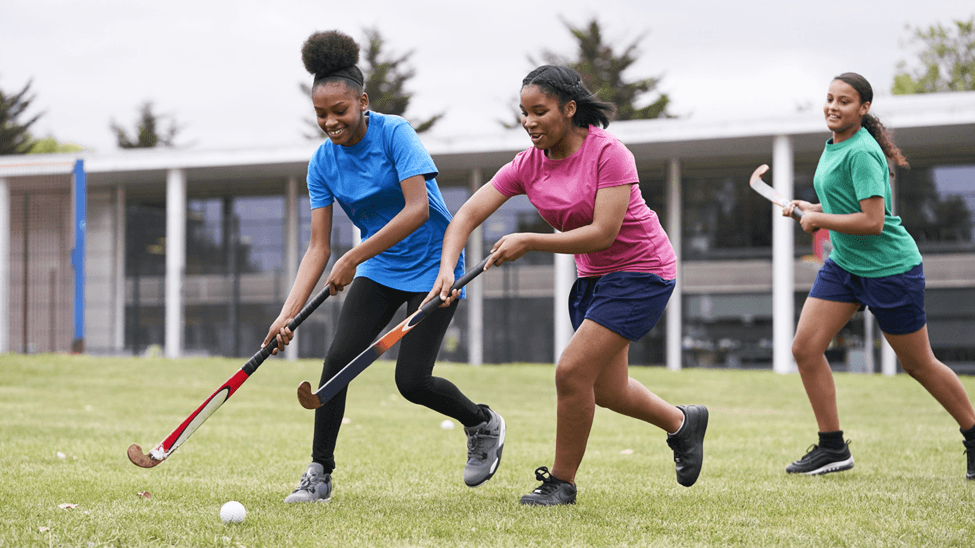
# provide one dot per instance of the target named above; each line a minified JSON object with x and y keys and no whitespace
{"x":875,"y":263}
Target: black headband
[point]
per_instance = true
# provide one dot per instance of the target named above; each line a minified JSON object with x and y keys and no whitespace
{"x":351,"y":73}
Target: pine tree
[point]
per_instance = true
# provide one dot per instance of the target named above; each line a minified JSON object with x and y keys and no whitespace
{"x":148,"y":133}
{"x":14,"y":133}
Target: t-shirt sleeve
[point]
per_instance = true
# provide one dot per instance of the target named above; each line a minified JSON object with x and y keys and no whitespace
{"x":410,"y":157}
{"x":507,"y":181}
{"x":319,"y":195}
{"x":616,"y":166}
{"x":869,"y":175}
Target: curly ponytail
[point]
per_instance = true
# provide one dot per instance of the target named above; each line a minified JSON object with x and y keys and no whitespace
{"x":871,"y":123}
{"x":566,"y":85}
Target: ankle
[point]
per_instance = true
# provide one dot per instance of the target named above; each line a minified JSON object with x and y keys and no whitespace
{"x":563,"y":478}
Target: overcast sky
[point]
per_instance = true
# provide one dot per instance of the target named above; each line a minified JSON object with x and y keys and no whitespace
{"x":229,"y":71}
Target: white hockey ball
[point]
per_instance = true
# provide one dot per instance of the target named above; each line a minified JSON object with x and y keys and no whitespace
{"x":447,"y":425}
{"x":233,"y":512}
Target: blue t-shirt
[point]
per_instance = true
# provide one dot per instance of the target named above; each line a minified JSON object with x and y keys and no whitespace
{"x":365,"y":180}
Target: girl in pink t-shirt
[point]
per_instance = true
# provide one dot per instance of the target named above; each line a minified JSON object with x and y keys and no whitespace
{"x":584,"y":183}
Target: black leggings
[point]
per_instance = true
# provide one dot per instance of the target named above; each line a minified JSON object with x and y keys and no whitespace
{"x":367,"y":310}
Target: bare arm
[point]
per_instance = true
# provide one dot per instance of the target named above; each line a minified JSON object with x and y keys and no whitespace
{"x":309,"y":271}
{"x":472,"y":214}
{"x":411,"y":217}
{"x":868,"y":221}
{"x":608,"y":213}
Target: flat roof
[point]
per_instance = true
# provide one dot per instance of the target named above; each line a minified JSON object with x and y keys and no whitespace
{"x":938,"y":121}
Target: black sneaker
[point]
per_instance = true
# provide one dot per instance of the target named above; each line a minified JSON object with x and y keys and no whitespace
{"x":970,"y":451}
{"x":819,"y":460}
{"x":485,"y":442}
{"x":552,"y":491}
{"x":688,"y":443}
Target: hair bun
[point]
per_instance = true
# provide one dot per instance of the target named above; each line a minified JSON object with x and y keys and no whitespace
{"x":326,"y":52}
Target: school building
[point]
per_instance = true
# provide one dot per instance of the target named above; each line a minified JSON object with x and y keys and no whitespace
{"x":192,"y":252}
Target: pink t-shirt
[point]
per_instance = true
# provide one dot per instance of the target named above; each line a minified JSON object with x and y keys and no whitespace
{"x":564,"y":192}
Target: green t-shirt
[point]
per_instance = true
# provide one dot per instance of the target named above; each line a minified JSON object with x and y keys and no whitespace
{"x":854,"y":170}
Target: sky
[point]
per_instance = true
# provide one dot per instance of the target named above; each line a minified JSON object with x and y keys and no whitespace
{"x":229,"y":72}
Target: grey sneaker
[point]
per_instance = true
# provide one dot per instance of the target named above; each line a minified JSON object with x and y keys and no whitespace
{"x":688,"y":443}
{"x":819,"y":460}
{"x":552,"y":491}
{"x":314,"y":486}
{"x":484,"y":444}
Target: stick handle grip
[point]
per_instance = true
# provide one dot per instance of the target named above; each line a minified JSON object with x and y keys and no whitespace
{"x":458,"y":283}
{"x":262,"y":354}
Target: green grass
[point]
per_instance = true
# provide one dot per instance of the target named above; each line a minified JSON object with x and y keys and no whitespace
{"x":399,"y":481}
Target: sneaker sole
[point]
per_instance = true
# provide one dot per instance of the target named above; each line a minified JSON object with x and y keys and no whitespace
{"x":837,"y":466}
{"x":497,"y":460}
{"x":286,"y":501}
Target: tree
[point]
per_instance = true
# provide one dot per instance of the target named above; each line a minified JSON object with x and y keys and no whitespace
{"x":14,"y":135}
{"x":386,"y":76}
{"x":601,"y":69}
{"x":947,"y":60}
{"x":50,"y":145}
{"x":148,"y":134}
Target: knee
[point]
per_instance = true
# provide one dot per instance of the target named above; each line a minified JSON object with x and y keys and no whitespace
{"x":915,"y":368}
{"x":568,"y":380}
{"x":412,"y":388}
{"x":803,"y":354}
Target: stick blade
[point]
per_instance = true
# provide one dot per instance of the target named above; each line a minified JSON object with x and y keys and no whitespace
{"x":757,"y":174}
{"x":140,"y":459}
{"x":306,"y":397}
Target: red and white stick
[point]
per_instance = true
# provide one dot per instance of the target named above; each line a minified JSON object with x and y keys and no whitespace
{"x":209,"y":406}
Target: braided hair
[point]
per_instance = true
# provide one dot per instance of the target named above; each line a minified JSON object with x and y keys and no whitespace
{"x":871,"y":122}
{"x":566,"y":85}
{"x":332,"y":56}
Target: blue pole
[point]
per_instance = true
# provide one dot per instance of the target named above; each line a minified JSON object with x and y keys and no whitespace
{"x":78,"y":255}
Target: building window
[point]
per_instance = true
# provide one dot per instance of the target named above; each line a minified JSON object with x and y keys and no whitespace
{"x":937,"y":206}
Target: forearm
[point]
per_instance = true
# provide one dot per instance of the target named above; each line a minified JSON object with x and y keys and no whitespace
{"x":852,"y":223}
{"x":454,"y":240}
{"x":399,"y":227}
{"x":309,"y":272}
{"x":586,"y":239}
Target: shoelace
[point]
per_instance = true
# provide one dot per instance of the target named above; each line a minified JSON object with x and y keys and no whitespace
{"x":549,"y":482}
{"x":678,"y":446}
{"x":809,"y":451}
{"x":306,"y":483}
{"x":813,"y":448}
{"x":474,"y":442}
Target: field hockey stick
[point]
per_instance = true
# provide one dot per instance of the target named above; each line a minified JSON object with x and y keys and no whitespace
{"x":203,"y":412}
{"x":769,"y":193}
{"x":314,"y":400}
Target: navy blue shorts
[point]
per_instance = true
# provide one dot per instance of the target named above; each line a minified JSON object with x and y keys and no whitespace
{"x":627,"y":303}
{"x":897,"y":301}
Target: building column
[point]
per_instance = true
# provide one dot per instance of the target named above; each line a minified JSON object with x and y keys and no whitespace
{"x":4,"y":266}
{"x":783,"y":261}
{"x":475,"y":289}
{"x":118,"y":276}
{"x":675,"y":308}
{"x":175,"y":260}
{"x":291,"y":252}
{"x":565,"y":275}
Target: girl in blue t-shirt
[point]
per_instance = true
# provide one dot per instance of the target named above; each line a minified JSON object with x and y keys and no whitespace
{"x":376,"y":169}
{"x":875,"y":263}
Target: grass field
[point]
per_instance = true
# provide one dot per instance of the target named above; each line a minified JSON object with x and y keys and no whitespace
{"x":66,"y":421}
